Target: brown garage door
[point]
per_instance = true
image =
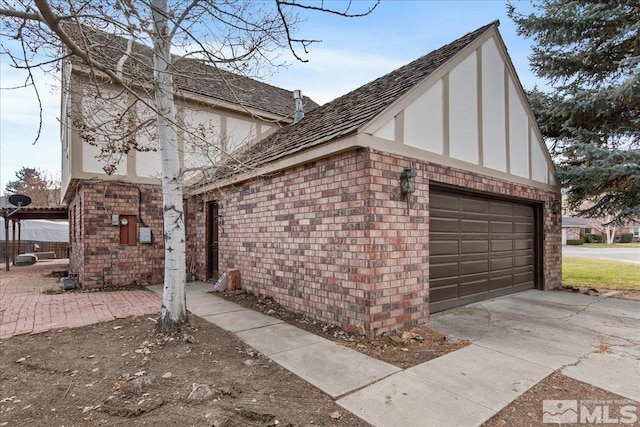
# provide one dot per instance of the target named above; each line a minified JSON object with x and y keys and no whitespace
{"x":479,"y":248}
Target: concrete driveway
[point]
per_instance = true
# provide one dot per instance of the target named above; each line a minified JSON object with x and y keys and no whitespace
{"x":614,"y":254}
{"x":592,"y":339}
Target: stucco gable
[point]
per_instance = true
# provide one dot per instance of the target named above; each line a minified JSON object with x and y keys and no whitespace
{"x":472,"y":110}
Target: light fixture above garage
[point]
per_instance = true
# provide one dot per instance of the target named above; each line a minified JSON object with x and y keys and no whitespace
{"x":408,"y":181}
{"x":408,"y":184}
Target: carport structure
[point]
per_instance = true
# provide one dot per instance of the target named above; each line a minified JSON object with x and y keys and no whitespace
{"x":15,"y":216}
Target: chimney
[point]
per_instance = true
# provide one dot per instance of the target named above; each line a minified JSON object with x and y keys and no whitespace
{"x":297,"y":97}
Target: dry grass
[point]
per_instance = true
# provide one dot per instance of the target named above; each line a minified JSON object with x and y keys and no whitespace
{"x":600,"y":274}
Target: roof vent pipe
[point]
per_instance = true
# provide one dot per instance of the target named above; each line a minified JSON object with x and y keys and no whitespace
{"x":297,"y":97}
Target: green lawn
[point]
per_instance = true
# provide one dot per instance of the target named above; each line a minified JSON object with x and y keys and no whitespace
{"x":600,"y":273}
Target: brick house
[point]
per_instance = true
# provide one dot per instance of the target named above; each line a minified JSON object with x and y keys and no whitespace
{"x":115,"y":208}
{"x":315,"y":216}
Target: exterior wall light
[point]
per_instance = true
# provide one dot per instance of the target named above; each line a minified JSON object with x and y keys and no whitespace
{"x":408,"y":185}
{"x":200,"y":205}
{"x":407,"y":181}
{"x":556,"y":207}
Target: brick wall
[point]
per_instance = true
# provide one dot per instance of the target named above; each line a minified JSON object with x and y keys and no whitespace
{"x":573,"y":233}
{"x":335,"y":239}
{"x":96,"y":254}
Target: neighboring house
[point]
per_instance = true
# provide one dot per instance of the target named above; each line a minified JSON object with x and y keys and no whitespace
{"x":632,"y":228}
{"x":116,"y":219}
{"x":574,"y":227}
{"x":314,"y":216}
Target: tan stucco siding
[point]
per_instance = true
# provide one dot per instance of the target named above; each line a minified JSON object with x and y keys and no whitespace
{"x":205,"y":130}
{"x":494,"y":139}
{"x":463,"y":111}
{"x":473,"y":111}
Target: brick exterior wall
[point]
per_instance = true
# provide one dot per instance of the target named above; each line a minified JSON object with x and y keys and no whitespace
{"x":335,"y":239}
{"x":96,"y":254}
{"x":573,"y":233}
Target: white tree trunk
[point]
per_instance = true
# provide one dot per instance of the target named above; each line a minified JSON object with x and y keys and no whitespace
{"x":611,"y":234}
{"x":174,"y":304}
{"x":610,"y":231}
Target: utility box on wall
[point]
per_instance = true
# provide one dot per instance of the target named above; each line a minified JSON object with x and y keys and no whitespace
{"x":145,"y":235}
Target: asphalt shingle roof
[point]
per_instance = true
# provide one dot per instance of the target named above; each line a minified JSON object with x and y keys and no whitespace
{"x":190,"y":75}
{"x":344,"y":115}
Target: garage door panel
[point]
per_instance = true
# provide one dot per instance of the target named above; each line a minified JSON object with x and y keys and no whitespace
{"x":443,"y":270}
{"x":525,"y":211}
{"x":523,"y":244}
{"x":443,"y":293}
{"x":444,"y":224}
{"x":500,"y":282}
{"x":471,"y":267}
{"x":501,"y":227}
{"x":488,"y":252}
{"x":444,"y":201}
{"x":519,"y":227}
{"x":523,"y":260}
{"x":443,"y":248}
{"x":474,"y":226}
{"x":474,"y":287}
{"x":523,"y":278}
{"x":501,"y":245}
{"x":474,"y":246}
{"x":498,"y":264}
{"x":472,"y":205}
{"x":501,"y":209}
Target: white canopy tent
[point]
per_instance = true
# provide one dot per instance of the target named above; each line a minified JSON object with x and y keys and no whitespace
{"x":40,"y":230}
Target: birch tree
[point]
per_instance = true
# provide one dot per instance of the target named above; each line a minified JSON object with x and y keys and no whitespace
{"x":241,"y":36}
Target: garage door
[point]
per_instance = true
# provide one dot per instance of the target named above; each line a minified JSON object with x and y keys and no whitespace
{"x":479,"y":248}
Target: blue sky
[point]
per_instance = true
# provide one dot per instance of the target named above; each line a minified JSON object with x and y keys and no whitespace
{"x":352,"y":53}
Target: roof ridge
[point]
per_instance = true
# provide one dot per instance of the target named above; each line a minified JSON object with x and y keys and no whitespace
{"x":255,"y":93}
{"x":345,"y":114}
{"x":476,"y":32}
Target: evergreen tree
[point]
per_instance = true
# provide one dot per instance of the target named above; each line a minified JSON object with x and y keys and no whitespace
{"x":589,"y":51}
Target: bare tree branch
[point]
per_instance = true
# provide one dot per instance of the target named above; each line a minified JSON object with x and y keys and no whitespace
{"x":22,"y":15}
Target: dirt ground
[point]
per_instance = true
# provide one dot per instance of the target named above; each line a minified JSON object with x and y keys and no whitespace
{"x":404,"y":348}
{"x":121,"y":373}
{"x":630,"y":294}
{"x":626,"y":294}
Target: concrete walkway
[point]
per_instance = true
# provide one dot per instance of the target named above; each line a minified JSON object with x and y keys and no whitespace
{"x":517,"y":341}
{"x":332,"y":368}
{"x":24,"y":309}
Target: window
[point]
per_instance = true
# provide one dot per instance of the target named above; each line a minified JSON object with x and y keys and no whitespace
{"x":128,"y":230}
{"x":636,"y":232}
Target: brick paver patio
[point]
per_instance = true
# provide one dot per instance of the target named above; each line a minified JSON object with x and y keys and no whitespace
{"x":24,"y":309}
